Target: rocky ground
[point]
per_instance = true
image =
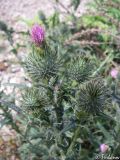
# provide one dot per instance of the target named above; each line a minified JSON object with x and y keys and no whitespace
{"x":13,"y":12}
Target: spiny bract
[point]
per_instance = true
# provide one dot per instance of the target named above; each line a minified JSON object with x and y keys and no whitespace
{"x":93,"y":96}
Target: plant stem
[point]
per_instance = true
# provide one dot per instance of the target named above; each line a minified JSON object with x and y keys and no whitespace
{"x":108,"y":59}
{"x":73,"y":140}
{"x":59,"y":114}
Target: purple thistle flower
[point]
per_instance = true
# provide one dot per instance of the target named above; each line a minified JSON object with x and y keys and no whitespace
{"x":104,"y":148}
{"x":37,"y":34}
{"x":114,"y":73}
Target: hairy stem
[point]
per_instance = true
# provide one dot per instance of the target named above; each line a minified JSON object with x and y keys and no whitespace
{"x":73,"y":140}
{"x":59,"y":115}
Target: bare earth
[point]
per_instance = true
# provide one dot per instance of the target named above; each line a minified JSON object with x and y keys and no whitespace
{"x":13,"y":10}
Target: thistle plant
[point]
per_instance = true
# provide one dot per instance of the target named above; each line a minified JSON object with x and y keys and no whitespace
{"x":67,"y":113}
{"x":64,"y":114}
{"x":61,"y":87}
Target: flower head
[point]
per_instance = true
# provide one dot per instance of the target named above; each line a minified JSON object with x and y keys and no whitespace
{"x":93,"y":96}
{"x":37,"y":34}
{"x":104,"y":148}
{"x":114,"y":73}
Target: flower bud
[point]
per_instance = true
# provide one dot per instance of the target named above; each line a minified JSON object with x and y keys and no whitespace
{"x":114,"y":73}
{"x":104,"y":148}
